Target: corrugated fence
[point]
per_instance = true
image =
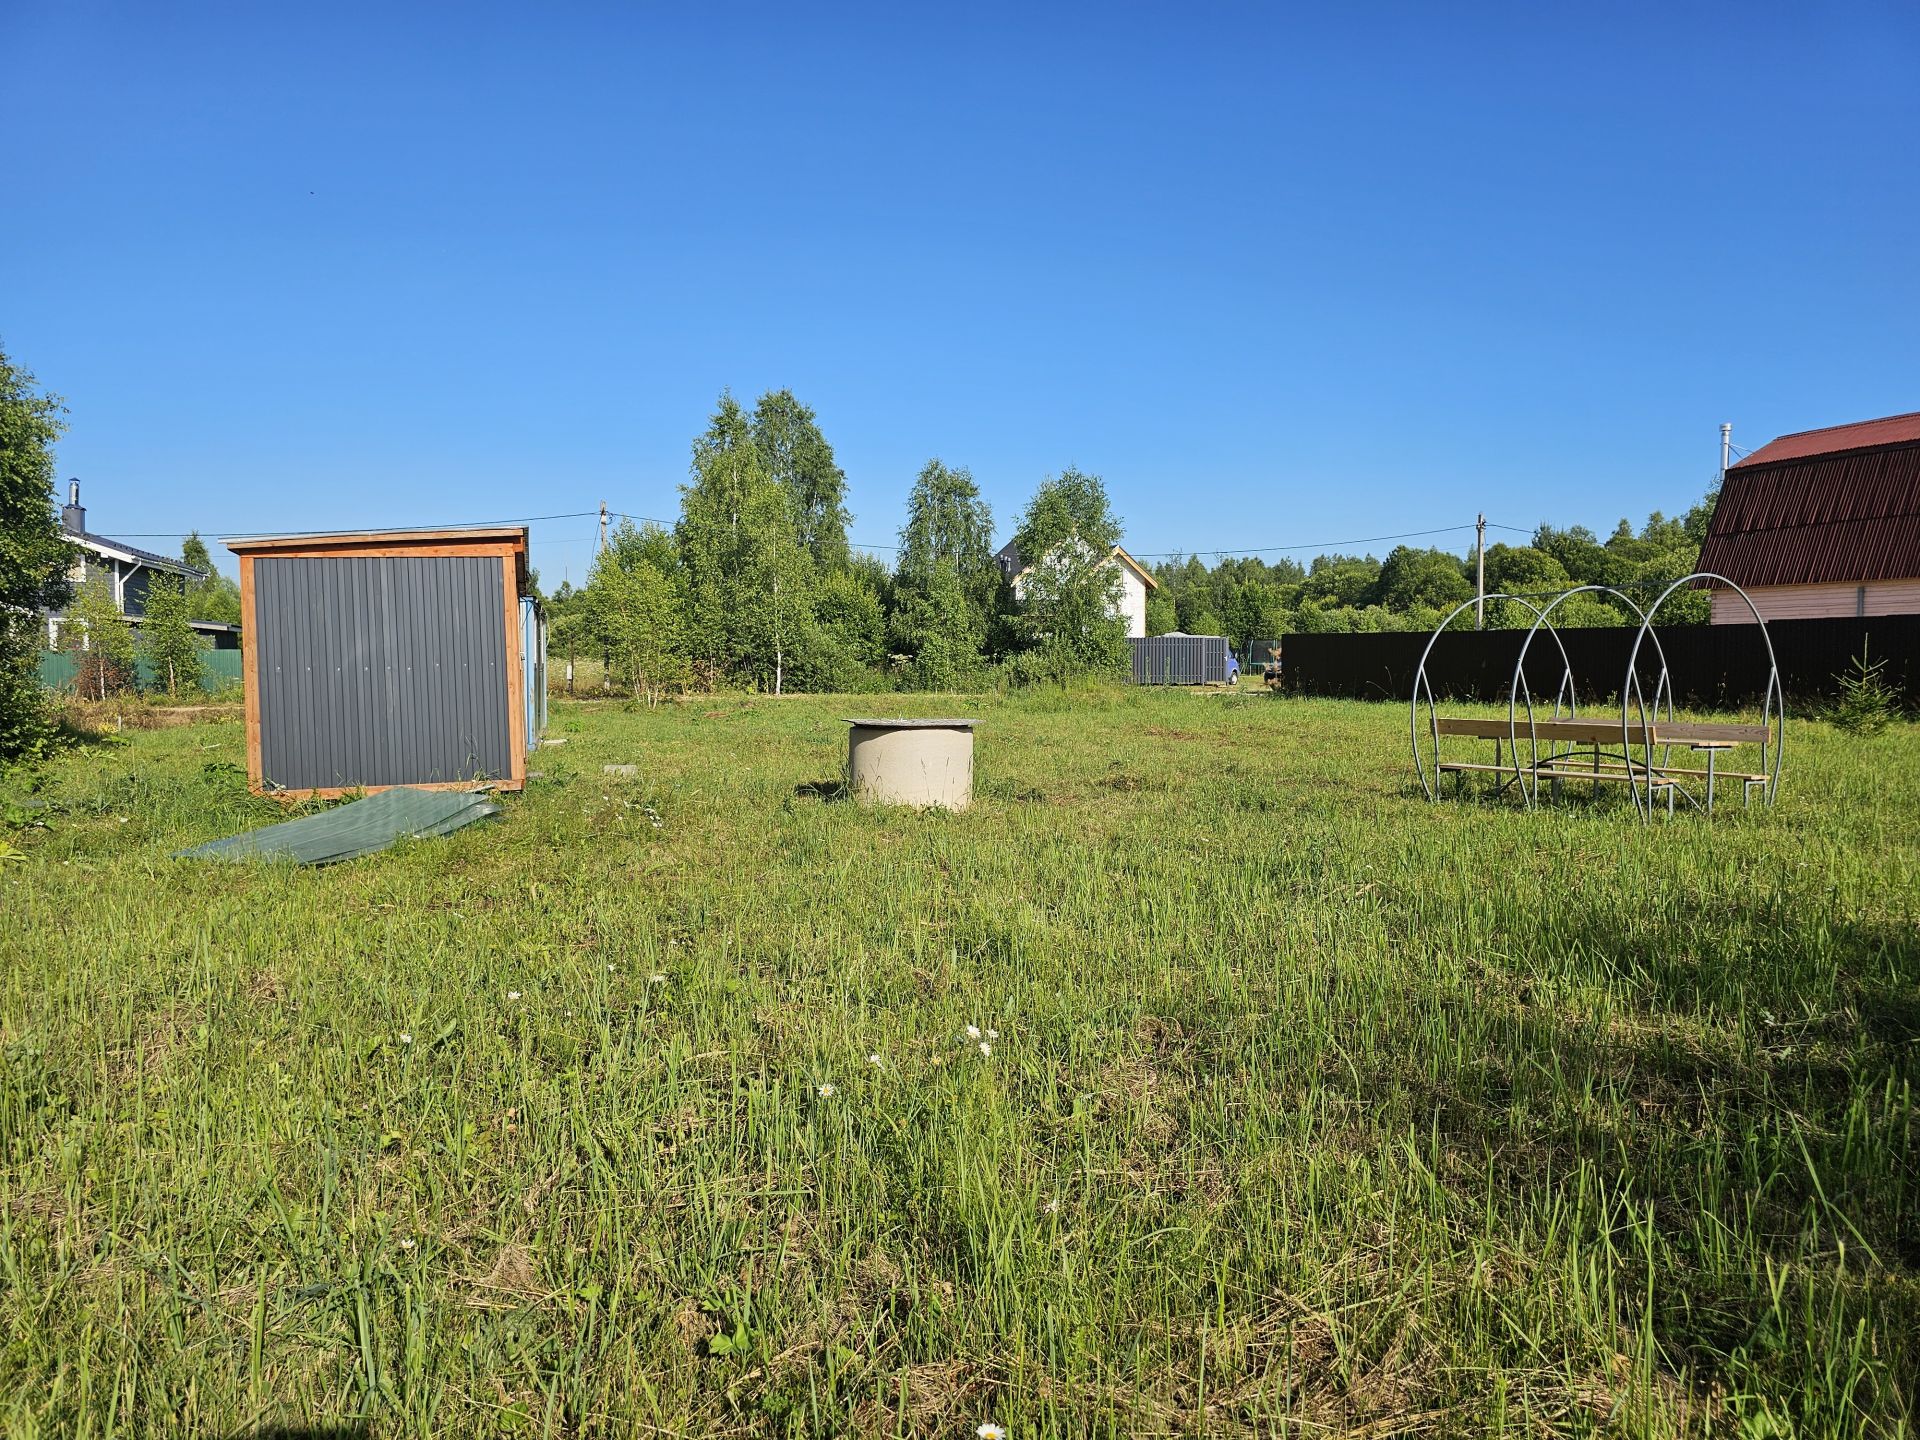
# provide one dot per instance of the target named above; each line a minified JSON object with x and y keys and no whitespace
{"x":1179,"y":660}
{"x":218,"y":670}
{"x":1711,"y":666}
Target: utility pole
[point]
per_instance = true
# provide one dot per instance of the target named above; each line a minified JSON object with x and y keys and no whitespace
{"x":1480,"y":568}
{"x":603,"y":524}
{"x":1726,"y":450}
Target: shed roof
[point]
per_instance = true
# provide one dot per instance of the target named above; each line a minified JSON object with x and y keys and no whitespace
{"x":1833,"y":506}
{"x":449,"y":539}
{"x":342,"y":539}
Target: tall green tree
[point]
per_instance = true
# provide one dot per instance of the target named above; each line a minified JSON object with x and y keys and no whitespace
{"x":1523,"y":570}
{"x":1342,"y":580}
{"x":99,"y":639}
{"x":1431,"y":579}
{"x":938,"y":626}
{"x":749,"y":580}
{"x":166,"y":640}
{"x":1069,"y":609}
{"x":948,"y":522}
{"x":1163,"y":613}
{"x":947,"y":579}
{"x":215,"y":597}
{"x":849,"y":640}
{"x":795,"y":454}
{"x":632,"y":610}
{"x":34,"y":558}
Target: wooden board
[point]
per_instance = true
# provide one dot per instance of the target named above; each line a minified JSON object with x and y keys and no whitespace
{"x":382,"y":552}
{"x":366,"y":540}
{"x":250,"y":671}
{"x":334,"y":792}
{"x":1611,"y":770}
{"x":516,"y":679}
{"x":1602,"y":732}
{"x":1453,"y":767}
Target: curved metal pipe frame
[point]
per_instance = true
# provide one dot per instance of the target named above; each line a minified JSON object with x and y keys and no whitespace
{"x":1642,"y":770}
{"x":1431,"y":783}
{"x":1568,"y":690}
{"x":1773,"y":710}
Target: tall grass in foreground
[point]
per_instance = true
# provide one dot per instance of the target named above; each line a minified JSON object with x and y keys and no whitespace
{"x":1305,"y":1107}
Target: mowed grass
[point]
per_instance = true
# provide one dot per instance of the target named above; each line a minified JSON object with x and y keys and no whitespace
{"x":1313,"y":1108}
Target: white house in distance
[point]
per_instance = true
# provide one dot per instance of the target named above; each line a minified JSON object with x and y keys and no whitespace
{"x":1135,"y":582}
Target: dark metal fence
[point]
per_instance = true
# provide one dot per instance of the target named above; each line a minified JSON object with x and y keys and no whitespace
{"x":1712,"y":666}
{"x":1180,"y":660}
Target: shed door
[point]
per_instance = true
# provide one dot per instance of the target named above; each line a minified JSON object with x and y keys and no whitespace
{"x":381,"y":670}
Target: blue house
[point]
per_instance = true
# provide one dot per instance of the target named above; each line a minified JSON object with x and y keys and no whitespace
{"x":129,"y":571}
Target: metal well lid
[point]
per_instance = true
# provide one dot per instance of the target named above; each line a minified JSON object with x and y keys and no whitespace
{"x":899,"y":724}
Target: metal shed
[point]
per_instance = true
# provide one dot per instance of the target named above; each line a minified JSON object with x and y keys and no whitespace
{"x":382,"y":658}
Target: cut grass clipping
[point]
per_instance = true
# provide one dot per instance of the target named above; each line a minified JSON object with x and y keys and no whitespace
{"x":1202,"y":1079}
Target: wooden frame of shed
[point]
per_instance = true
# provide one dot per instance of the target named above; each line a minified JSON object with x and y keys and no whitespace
{"x":382,"y":658}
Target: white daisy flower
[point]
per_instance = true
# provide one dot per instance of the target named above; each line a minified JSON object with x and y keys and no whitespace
{"x":985,"y":1049}
{"x":990,"y":1431}
{"x":656,"y":979}
{"x":824,"y":1090}
{"x":973,"y":1032}
{"x":875,"y":1061}
{"x":513,"y":994}
{"x":406,"y":1244}
{"x":993,"y":1034}
{"x":405,"y":1038}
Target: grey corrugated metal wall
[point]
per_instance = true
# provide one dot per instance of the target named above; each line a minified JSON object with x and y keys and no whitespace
{"x":1179,"y":660}
{"x":381,"y":670}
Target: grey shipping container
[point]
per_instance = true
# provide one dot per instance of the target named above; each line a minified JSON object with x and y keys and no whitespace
{"x":1180,"y":660}
{"x":389,"y":658}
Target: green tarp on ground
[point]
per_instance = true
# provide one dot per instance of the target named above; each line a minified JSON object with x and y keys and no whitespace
{"x":352,"y":830}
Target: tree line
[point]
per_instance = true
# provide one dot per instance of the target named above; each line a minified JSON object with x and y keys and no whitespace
{"x":757,"y":585}
{"x":1252,"y":600}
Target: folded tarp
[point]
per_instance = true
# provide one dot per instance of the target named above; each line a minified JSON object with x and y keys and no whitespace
{"x":352,"y":830}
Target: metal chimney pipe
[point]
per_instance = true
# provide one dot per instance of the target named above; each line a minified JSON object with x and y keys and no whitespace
{"x":73,"y":516}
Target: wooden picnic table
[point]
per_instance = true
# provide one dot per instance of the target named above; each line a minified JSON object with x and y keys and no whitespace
{"x":1586,"y":760}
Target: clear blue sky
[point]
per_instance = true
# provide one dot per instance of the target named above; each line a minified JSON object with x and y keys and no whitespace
{"x":1279,"y":274}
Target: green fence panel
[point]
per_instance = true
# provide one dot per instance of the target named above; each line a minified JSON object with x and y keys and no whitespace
{"x":219,"y":670}
{"x":57,"y":669}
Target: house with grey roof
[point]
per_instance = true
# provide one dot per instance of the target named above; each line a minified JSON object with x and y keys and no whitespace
{"x":129,"y":571}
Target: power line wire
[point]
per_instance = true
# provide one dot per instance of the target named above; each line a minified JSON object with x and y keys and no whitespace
{"x":268,"y":530}
{"x":1321,"y":545}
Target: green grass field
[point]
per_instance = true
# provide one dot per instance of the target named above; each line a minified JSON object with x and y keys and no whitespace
{"x":1312,"y":1108}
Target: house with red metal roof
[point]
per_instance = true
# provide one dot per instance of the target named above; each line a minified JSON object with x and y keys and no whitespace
{"x":1821,"y":523}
